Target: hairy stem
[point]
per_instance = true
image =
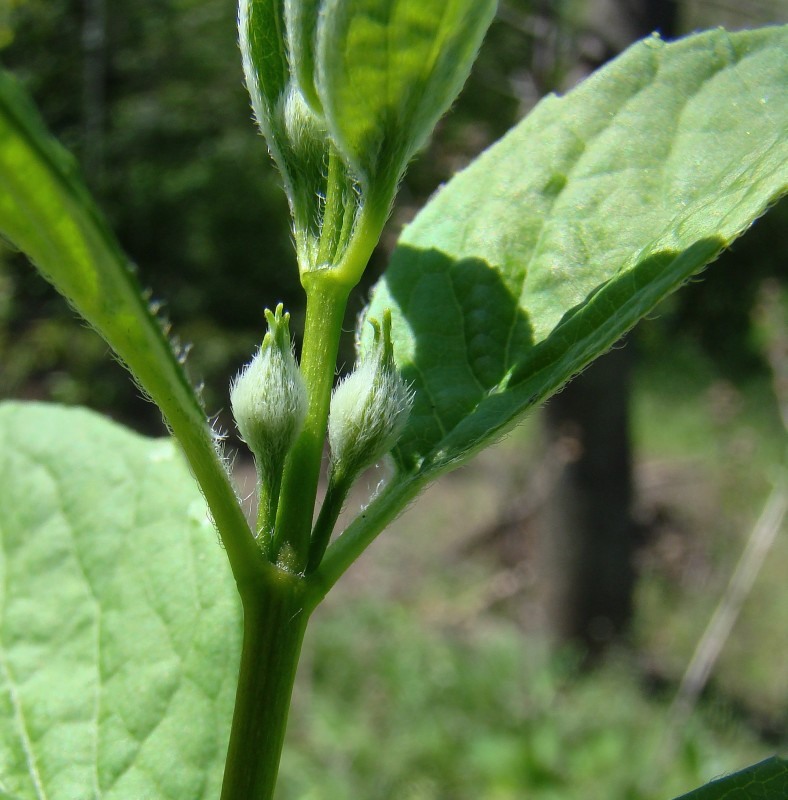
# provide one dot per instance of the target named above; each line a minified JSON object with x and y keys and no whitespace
{"x":275,"y":619}
{"x":327,"y":519}
{"x":333,"y":212}
{"x":325,"y":311}
{"x":268,"y":490}
{"x":361,"y":533}
{"x":194,"y":437}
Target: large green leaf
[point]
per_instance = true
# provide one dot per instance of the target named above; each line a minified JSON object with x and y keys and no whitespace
{"x":387,"y":70}
{"x":767,"y":780}
{"x":541,"y":254}
{"x":119,"y":621}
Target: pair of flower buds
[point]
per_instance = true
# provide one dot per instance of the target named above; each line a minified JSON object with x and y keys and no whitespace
{"x":369,"y":407}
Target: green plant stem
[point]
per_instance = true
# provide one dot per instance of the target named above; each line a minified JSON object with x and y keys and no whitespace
{"x":275,"y":619}
{"x":325,"y":311}
{"x":362,"y":532}
{"x":327,"y":520}
{"x":364,"y":239}
{"x":191,"y":430}
{"x":72,"y":246}
{"x":333,"y":212}
{"x":268,"y":489}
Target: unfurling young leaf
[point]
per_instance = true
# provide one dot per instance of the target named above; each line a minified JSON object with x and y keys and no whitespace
{"x":301,"y":18}
{"x":296,"y":136}
{"x":386,"y":71}
{"x":346,"y":91}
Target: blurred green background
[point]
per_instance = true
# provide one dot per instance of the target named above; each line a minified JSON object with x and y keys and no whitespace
{"x":440,"y":669}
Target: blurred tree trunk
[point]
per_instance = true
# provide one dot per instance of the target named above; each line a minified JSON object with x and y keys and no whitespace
{"x":590,"y":535}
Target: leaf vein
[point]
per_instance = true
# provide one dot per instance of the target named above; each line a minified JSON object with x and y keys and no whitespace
{"x":21,"y":725}
{"x":61,"y":504}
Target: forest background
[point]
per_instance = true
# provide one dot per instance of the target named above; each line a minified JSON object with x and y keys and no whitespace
{"x":539,"y":640}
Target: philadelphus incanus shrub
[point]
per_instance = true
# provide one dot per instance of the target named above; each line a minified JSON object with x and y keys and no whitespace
{"x":120,"y":623}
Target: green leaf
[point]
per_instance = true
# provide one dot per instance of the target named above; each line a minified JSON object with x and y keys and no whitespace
{"x":387,"y":70}
{"x":558,"y":239}
{"x":322,"y":198}
{"x":767,"y":780}
{"x":301,"y":17}
{"x":119,"y":620}
{"x":261,"y":30}
{"x":47,"y":213}
{"x":296,"y":138}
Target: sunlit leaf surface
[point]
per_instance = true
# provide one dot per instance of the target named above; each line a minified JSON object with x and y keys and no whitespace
{"x":119,"y":625}
{"x":541,"y":254}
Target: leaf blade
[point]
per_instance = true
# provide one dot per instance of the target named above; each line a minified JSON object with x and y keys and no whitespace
{"x":611,"y":196}
{"x":767,"y":780}
{"x":119,"y":622}
{"x":387,"y":71}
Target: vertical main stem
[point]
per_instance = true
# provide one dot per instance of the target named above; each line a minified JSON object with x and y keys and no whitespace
{"x":325,"y":312}
{"x":275,"y":608}
{"x":275,"y":620}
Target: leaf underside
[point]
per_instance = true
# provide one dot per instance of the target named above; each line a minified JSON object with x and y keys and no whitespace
{"x":767,"y":780}
{"x":47,"y":213}
{"x":558,"y":239}
{"x":119,"y":625}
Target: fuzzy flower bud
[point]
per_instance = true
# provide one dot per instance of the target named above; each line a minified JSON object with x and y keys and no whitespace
{"x":369,"y":408}
{"x":268,"y":397}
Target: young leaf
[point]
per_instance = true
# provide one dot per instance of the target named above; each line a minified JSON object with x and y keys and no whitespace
{"x":559,"y":238}
{"x":296,"y":135}
{"x":47,"y":213}
{"x":301,"y":17}
{"x":119,"y":620}
{"x":767,"y":780}
{"x":386,"y":72}
{"x":261,"y":30}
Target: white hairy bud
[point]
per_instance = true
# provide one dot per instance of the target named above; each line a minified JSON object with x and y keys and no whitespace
{"x":268,"y":397}
{"x":369,"y":408}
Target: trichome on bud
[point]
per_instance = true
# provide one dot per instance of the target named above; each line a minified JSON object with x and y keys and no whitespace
{"x":369,"y":408}
{"x":269,"y":403}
